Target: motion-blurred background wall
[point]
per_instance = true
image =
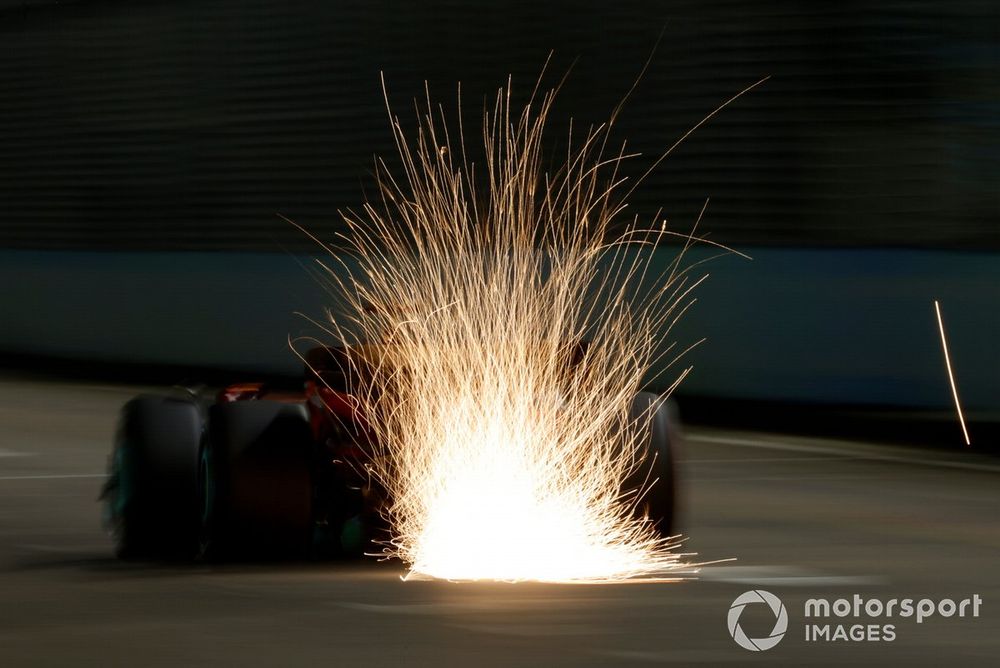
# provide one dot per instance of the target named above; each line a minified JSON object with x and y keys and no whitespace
{"x":146,"y":148}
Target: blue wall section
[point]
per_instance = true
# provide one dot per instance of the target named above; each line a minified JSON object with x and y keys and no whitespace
{"x":849,"y":326}
{"x":845,"y":326}
{"x":213,"y":309}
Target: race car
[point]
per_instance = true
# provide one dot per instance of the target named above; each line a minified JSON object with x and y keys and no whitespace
{"x":260,"y":472}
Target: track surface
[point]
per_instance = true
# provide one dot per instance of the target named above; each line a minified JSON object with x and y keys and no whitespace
{"x":805,"y":518}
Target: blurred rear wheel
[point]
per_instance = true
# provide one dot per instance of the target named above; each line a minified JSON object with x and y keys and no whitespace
{"x":151,"y":497}
{"x":661,"y":437}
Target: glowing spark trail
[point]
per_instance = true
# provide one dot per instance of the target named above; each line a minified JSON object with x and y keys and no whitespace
{"x":468,"y":289}
{"x":951,"y":376}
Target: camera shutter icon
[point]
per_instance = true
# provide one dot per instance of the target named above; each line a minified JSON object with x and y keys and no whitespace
{"x":780,"y":620}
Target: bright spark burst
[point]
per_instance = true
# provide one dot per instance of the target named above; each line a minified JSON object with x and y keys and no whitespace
{"x":503,"y":444}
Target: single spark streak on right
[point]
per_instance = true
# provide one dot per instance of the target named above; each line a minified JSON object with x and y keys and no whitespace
{"x":502,"y":443}
{"x":951,"y":376}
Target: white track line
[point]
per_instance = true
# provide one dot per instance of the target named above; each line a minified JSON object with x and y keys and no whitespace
{"x":785,"y":576}
{"x":54,"y":477}
{"x":845,"y":452}
{"x":755,"y":460}
{"x":4,"y":452}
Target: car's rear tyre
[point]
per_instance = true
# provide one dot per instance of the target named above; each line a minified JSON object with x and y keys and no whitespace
{"x":658,"y":420}
{"x":152,"y":492}
{"x":256,"y":480}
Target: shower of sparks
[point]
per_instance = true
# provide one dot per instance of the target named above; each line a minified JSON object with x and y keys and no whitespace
{"x":467,"y":289}
{"x":951,"y":376}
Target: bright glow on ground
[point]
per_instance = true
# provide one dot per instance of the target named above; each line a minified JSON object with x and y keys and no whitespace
{"x":499,"y":507}
{"x":504,"y":445}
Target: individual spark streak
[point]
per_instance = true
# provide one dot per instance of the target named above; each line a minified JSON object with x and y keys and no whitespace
{"x":951,"y":376}
{"x":503,"y":443}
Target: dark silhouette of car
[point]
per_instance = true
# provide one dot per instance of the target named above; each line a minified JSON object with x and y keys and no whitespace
{"x":262,"y":472}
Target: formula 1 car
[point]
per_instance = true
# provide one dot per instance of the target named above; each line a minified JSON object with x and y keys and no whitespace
{"x":264,"y":473}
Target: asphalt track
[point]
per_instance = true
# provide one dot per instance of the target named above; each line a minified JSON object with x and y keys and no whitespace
{"x":804,"y":518}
